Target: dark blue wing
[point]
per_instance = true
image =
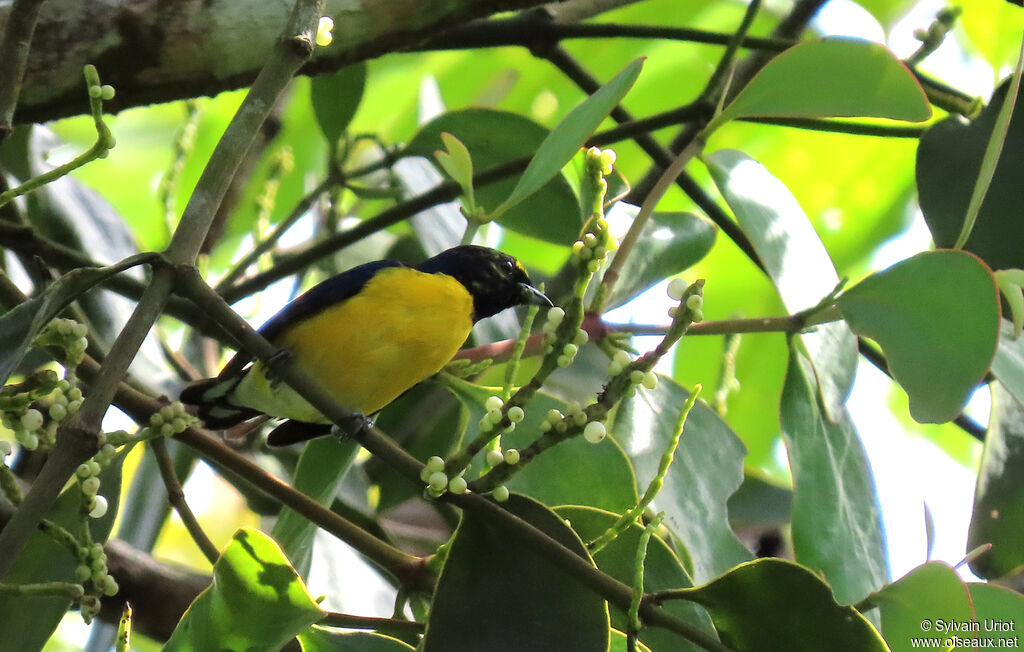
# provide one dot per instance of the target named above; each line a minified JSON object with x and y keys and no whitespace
{"x":324,"y":295}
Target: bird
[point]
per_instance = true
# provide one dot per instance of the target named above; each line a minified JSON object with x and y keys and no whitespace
{"x":367,"y":335}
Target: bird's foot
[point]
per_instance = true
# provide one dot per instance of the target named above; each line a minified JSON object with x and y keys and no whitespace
{"x":355,"y":425}
{"x":279,"y":356}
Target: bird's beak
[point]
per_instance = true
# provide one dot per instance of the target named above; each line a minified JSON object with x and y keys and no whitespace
{"x":530,"y":295}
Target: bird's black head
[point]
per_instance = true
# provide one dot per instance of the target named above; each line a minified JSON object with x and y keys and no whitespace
{"x":496,"y":280}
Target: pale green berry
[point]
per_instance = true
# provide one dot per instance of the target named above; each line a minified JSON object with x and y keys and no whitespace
{"x":83,"y":470}
{"x":600,"y":252}
{"x":577,"y":247}
{"x":585,"y":253}
{"x":509,"y":429}
{"x":107,"y":92}
{"x":32,"y":419}
{"x":438,"y":480}
{"x":553,"y":416}
{"x":108,"y":451}
{"x":57,"y":412}
{"x":512,"y":457}
{"x":614,"y":368}
{"x":500,"y":493}
{"x":324,"y":37}
{"x":697,"y":315}
{"x":166,"y":430}
{"x":28,"y":440}
{"x":694,"y":302}
{"x":79,"y":329}
{"x":110,"y":586}
{"x":544,"y":426}
{"x":74,"y":406}
{"x":178,"y":425}
{"x":594,"y":432}
{"x":594,"y":154}
{"x":94,"y":467}
{"x":156,"y":419}
{"x":485,"y":424}
{"x":580,"y":338}
{"x":494,"y":458}
{"x":673,"y":311}
{"x":516,"y":414}
{"x":90,"y":486}
{"x":606,"y":170}
{"x":555,"y":315}
{"x":95,"y":92}
{"x":563,"y":361}
{"x":590,"y":240}
{"x":493,"y":403}
{"x":99,"y":507}
{"x":636,"y":376}
{"x":5,"y":449}
{"x":168,"y":412}
{"x":579,"y":418}
{"x":549,"y":327}
{"x":561,"y":427}
{"x":82,"y":573}
{"x":570,"y":350}
{"x":63,"y":385}
{"x":457,"y":485}
{"x":650,"y":380}
{"x":425,"y":474}
{"x":676,"y":288}
{"x":435,"y":463}
{"x":622,"y":358}
{"x":607,"y":157}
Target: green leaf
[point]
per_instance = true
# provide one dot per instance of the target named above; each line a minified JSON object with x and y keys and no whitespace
{"x":948,"y":161}
{"x":669,"y":244}
{"x":1008,"y":365}
{"x":770,"y":604}
{"x":321,"y":639}
{"x":497,"y":594}
{"x":321,"y":467}
{"x":571,"y":133}
{"x":831,"y":78}
{"x":335,"y":98}
{"x":760,"y":503}
{"x":707,"y":469}
{"x":493,"y":137}
{"x":572,"y":473}
{"x":618,"y":643}
{"x":29,"y":621}
{"x":662,"y":571}
{"x":20,"y":325}
{"x":256,"y":601}
{"x":936,"y":317}
{"x":998,"y":516}
{"x":796,"y":261}
{"x":837,"y":522}
{"x":998,"y":611}
{"x":917,"y":605}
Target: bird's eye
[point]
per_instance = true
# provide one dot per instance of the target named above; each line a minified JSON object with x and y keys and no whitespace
{"x":508,"y":266}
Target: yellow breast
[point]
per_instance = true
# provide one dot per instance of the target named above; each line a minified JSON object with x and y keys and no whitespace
{"x":401,"y":328}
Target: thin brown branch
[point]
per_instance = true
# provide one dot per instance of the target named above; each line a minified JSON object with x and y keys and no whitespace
{"x":14,"y":50}
{"x":176,"y":497}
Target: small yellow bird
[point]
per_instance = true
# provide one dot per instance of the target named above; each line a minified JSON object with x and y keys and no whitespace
{"x":367,"y":335}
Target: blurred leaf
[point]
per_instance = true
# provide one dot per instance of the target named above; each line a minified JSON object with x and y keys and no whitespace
{"x":572,"y":473}
{"x":322,"y":465}
{"x":29,"y":621}
{"x":669,"y":244}
{"x":931,"y":593}
{"x":618,"y":643}
{"x":948,"y":161}
{"x":336,"y":98}
{"x":1008,"y":365}
{"x":321,"y":639}
{"x":708,"y":468}
{"x":936,"y":317}
{"x":837,"y":522}
{"x":999,"y":610}
{"x":770,"y":604}
{"x":20,"y":326}
{"x":662,"y":571}
{"x":485,"y":601}
{"x":256,"y":601}
{"x":571,"y":133}
{"x":760,"y":503}
{"x":831,"y":78}
{"x":493,"y":137}
{"x":999,"y":496}
{"x":795,"y":260}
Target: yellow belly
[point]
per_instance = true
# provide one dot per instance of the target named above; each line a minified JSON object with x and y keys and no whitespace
{"x":402,"y":328}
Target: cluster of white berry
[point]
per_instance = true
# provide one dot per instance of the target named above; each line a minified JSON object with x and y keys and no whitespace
{"x":694,"y":302}
{"x":96,"y":582}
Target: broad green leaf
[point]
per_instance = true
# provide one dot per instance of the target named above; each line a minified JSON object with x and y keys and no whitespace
{"x":998,"y":612}
{"x":256,"y":601}
{"x":322,"y":639}
{"x":20,"y":325}
{"x":948,"y":160}
{"x":494,"y":137}
{"x":1008,"y":365}
{"x":662,"y":571}
{"x":497,"y":594}
{"x":771,"y":604}
{"x":760,"y":503}
{"x":618,"y":643}
{"x":321,"y":467}
{"x":708,"y":468}
{"x":572,"y":473}
{"x":831,"y":78}
{"x":669,"y":244}
{"x":335,"y":98}
{"x":796,"y":261}
{"x":571,"y":133}
{"x":837,"y":522}
{"x":936,"y":317}
{"x":922,"y":603}
{"x":28,"y":621}
{"x":998,"y":516}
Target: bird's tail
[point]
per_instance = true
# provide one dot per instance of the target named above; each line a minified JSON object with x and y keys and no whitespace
{"x":213,"y":400}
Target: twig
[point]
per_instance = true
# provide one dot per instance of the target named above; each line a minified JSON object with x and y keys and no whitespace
{"x":17,"y":41}
{"x":176,"y":497}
